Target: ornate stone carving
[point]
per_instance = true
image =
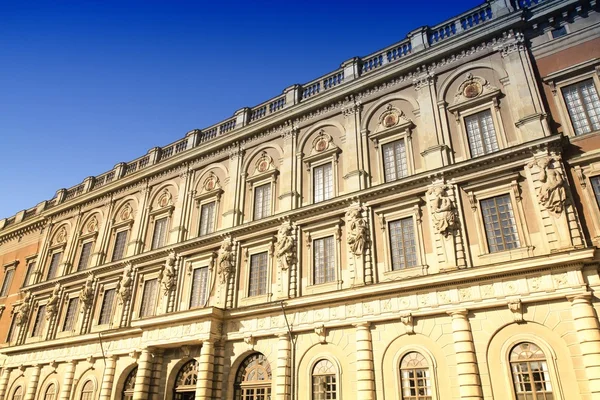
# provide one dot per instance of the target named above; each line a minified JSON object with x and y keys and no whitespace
{"x":165,"y":199}
{"x":169,"y":273}
{"x":551,"y":194}
{"x":86,"y":295}
{"x":52,"y":304}
{"x":225,"y":262}
{"x":126,"y":212}
{"x":390,"y":117}
{"x":516,"y":307}
{"x":264,"y":163}
{"x":21,"y":311}
{"x":285,"y":246}
{"x":321,"y":142}
{"x":125,"y":284}
{"x":408,"y":322}
{"x":250,"y":341}
{"x":472,"y":87}
{"x":357,"y":231}
{"x":61,"y":236}
{"x":92,"y":225}
{"x":443,"y":211}
{"x":321,"y":333}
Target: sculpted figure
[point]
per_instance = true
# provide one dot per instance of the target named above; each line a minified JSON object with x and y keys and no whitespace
{"x":442,"y":211}
{"x":87,"y":292}
{"x":22,"y":310}
{"x":125,"y":285}
{"x":169,"y":272}
{"x":285,"y":247}
{"x":225,"y":261}
{"x":52,"y":305}
{"x":552,"y":192}
{"x":356,"y":230}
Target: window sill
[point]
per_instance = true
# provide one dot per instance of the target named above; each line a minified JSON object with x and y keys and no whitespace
{"x":410,"y":272}
{"x":258,"y":299}
{"x":323,"y":287}
{"x":583,"y":136}
{"x":507,"y":255}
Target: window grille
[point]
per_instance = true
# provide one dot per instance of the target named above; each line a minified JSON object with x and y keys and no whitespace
{"x":87,"y":392}
{"x":107,"y":307}
{"x":415,"y":377}
{"x":258,"y":274}
{"x":596,"y":187}
{"x":583,"y":106}
{"x":160,"y":230}
{"x":50,"y":392}
{"x":403,"y":244}
{"x":7,"y":281}
{"x":500,"y":226}
{"x":323,"y":182}
{"x":394,"y":160}
{"x":324,"y":260}
{"x":54,"y":262}
{"x":324,"y":382}
{"x":199,"y":283}
{"x":530,"y":375}
{"x":148,"y":307}
{"x":481,"y":133}
{"x":71,"y":315}
{"x":120,"y":242}
{"x":262,"y":201}
{"x":84,"y":258}
{"x":30,"y":269}
{"x":39,"y":323}
{"x":207,"y":218}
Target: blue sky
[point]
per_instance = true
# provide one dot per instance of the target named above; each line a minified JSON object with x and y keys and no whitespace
{"x":87,"y":84}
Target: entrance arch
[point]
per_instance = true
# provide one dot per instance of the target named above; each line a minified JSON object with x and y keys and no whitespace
{"x":185,"y":383}
{"x":253,"y":379}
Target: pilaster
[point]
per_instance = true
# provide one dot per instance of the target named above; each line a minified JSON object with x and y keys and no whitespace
{"x":205,"y":371}
{"x":144,"y":373}
{"x":67,"y":384}
{"x":33,"y":382}
{"x":108,"y":377}
{"x":588,"y":333}
{"x":353,"y":170}
{"x":469,"y":385}
{"x":365,"y":374}
{"x":4,"y":381}
{"x":283,"y":380}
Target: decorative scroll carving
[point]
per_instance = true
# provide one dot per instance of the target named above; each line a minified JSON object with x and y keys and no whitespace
{"x":264,"y":163}
{"x":443,"y":210}
{"x":356,"y":230}
{"x":86,"y":295}
{"x":285,"y":247}
{"x":225,"y":263}
{"x":52,"y":304}
{"x":250,"y":341}
{"x":169,"y":273}
{"x":125,"y":284}
{"x":321,"y":142}
{"x":551,"y":194}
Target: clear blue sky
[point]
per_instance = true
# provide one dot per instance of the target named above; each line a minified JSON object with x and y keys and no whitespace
{"x":87,"y":84}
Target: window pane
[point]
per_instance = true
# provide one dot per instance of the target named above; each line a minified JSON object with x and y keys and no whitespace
{"x":262,"y":201}
{"x":323,"y":182}
{"x":394,"y":160}
{"x":71,"y":315}
{"x":324,"y":260}
{"x":481,"y":133}
{"x":258,"y":274}
{"x":54,"y":262}
{"x":596,"y":186}
{"x":207,"y":218}
{"x":30,"y":269}
{"x":324,"y":380}
{"x":120,"y":242}
{"x":12,"y":330}
{"x":7,"y":281}
{"x":38,"y":325}
{"x":531,"y":378}
{"x":107,"y":307}
{"x":402,"y":244}
{"x":84,"y":259}
{"x":500,"y":226}
{"x":199,"y":281}
{"x":148,"y":307}
{"x":160,"y":230}
{"x":583,"y":106}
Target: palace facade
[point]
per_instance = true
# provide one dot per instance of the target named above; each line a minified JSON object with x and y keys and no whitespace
{"x":422,"y":223}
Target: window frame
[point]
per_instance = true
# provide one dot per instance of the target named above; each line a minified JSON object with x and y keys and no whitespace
{"x":250,"y":249}
{"x":310,"y":234}
{"x":99,"y":301}
{"x":10,"y":267}
{"x":318,"y":159}
{"x":258,"y":179}
{"x":312,"y":181}
{"x":162,"y":214}
{"x":82,"y":242}
{"x":62,"y":320}
{"x":31,"y":337}
{"x":261,"y":184}
{"x":141,"y":289}
{"x":202,"y":204}
{"x":51,"y":252}
{"x":586,"y":168}
{"x":210,"y":196}
{"x":203,"y":261}
{"x":124,"y":226}
{"x":338,"y":374}
{"x":569,"y":76}
{"x":31,"y":271}
{"x":431,"y":361}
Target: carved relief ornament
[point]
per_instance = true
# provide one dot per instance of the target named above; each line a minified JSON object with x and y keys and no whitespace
{"x":443,"y":210}
{"x":551,"y":194}
{"x":357,"y":230}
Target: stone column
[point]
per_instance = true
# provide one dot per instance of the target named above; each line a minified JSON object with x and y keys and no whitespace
{"x":4,"y":381}
{"x":65,"y":392}
{"x":466,"y":362}
{"x":588,"y":333}
{"x":108,"y":377}
{"x":156,"y":374}
{"x":365,"y":374}
{"x":205,"y":371}
{"x":283,"y":380}
{"x":144,"y":372}
{"x":218,"y":369}
{"x":33,"y":382}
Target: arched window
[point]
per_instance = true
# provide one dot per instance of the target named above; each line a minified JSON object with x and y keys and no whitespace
{"x":129,"y":385}
{"x":415,"y":377}
{"x":530,"y":375}
{"x":324,"y":383}
{"x":87,"y":392}
{"x":253,"y":379}
{"x":50,"y":392}
{"x":18,"y":394}
{"x":185,"y":383}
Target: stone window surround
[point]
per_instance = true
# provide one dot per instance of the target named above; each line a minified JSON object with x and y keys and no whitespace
{"x":586,"y":168}
{"x":154,"y":215}
{"x":11,"y":266}
{"x":205,"y":198}
{"x":269,"y":177}
{"x":407,"y":209}
{"x":62,"y":315}
{"x":138,"y":293}
{"x":317,"y":160}
{"x":28,"y":261}
{"x":57,"y":248}
{"x":501,"y":185}
{"x":557,"y":80}
{"x":248,"y":250}
{"x":402,"y":131}
{"x":312,"y":233}
{"x":203,"y":261}
{"x":95,"y":312}
{"x":31,"y":324}
{"x":116,"y":228}
{"x":83,"y":239}
{"x":432,"y":369}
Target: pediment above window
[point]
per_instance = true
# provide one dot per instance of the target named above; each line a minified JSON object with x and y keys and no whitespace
{"x":391,"y":121}
{"x":322,"y":147}
{"x":211,"y":187}
{"x":473,"y":91}
{"x":264,"y":169}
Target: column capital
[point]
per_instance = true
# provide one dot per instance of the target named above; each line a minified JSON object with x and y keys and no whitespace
{"x":580,"y":298}
{"x":362,"y":325}
{"x":283,"y":335}
{"x":460,"y":313}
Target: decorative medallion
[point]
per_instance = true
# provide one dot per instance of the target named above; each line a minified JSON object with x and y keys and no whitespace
{"x":126,"y":212}
{"x":321,"y":142}
{"x":165,"y":198}
{"x":390,"y":117}
{"x":473,"y":89}
{"x":92,"y":225}
{"x":210,"y":183}
{"x":61,"y":235}
{"x":264,"y":162}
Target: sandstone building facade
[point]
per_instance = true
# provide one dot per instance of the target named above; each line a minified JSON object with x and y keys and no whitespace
{"x":420,"y":224}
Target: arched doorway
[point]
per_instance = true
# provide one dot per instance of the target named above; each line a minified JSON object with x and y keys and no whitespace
{"x":253,"y":379}
{"x":185,"y":383}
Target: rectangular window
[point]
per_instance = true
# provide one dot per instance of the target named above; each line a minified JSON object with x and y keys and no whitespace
{"x":106,"y":309}
{"x":84,"y":258}
{"x":481,"y":133}
{"x":160,"y":232}
{"x":324,"y":260}
{"x":596,"y":187}
{"x":28,"y":273}
{"x":148,"y":307}
{"x":583,"y":105}
{"x":207,"y":218}
{"x":12,"y":330}
{"x":394,"y":160}
{"x":199,"y":283}
{"x":54,"y":263}
{"x":262,"y":201}
{"x":38,"y":325}
{"x":559,"y":32}
{"x":257,"y":284}
{"x":500,"y":226}
{"x":120,"y":242}
{"x":7,"y":281}
{"x":71,"y":315}
{"x":402,"y":244}
{"x":323,"y":182}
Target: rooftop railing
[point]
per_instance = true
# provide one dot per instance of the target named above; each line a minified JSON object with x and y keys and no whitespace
{"x":416,"y":41}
